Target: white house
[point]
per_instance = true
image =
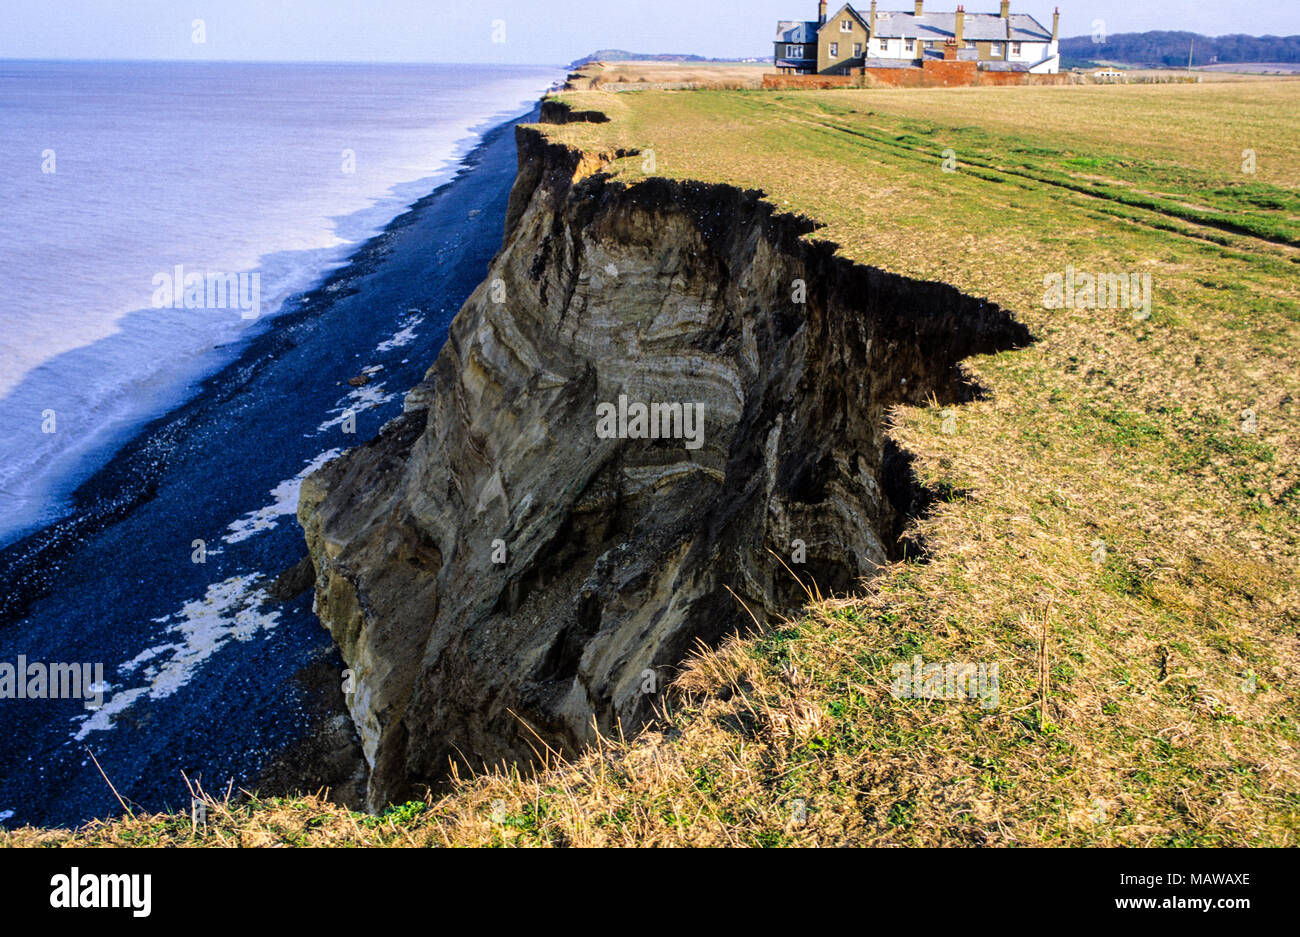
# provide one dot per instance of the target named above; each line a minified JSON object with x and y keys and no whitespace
{"x":849,"y":40}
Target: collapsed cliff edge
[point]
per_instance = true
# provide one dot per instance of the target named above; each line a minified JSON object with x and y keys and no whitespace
{"x":498,"y":570}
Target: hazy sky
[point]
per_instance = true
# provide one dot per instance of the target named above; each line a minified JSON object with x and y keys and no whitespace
{"x":534,"y":31}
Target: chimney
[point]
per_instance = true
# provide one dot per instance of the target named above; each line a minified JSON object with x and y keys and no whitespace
{"x":821,"y":13}
{"x":919,"y":5}
{"x":873,"y":19}
{"x":1056,"y":24}
{"x":959,"y":33}
{"x":1006,"y":9}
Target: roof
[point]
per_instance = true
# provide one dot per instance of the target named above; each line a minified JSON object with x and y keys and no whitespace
{"x":891,"y":63}
{"x":1019,"y":27}
{"x":1004,"y":67}
{"x":796,"y":31}
{"x":978,"y":26}
{"x":963,"y":55}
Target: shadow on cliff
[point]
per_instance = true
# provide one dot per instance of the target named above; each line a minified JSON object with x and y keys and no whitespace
{"x":496,"y":573}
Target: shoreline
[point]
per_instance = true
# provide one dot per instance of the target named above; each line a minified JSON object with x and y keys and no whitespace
{"x":38,"y":488}
{"x":294,"y":310}
{"x":96,"y":584}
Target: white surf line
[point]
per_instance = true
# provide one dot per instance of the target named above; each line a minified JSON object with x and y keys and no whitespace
{"x":230,"y":610}
{"x":405,"y":335}
{"x":285,"y":495}
{"x":369,"y":396}
{"x":360,"y":400}
{"x":5,"y":815}
{"x":284,"y":503}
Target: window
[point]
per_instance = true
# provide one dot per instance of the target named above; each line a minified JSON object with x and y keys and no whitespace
{"x":909,"y":44}
{"x":846,"y":26}
{"x":794,"y":52}
{"x":884,"y":44}
{"x":995,"y":50}
{"x":970,"y":45}
{"x":857,"y":49}
{"x":1015,"y":48}
{"x":835,"y":50}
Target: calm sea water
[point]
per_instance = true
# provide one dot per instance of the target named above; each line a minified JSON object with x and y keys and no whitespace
{"x":112,"y":175}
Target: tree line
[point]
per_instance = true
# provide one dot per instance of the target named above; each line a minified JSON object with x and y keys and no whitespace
{"x":1171,"y":48}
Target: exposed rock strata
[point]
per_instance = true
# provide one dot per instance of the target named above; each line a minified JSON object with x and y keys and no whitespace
{"x":619,"y":553}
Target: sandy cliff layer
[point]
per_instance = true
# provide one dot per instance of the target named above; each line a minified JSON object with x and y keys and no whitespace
{"x":491,"y":561}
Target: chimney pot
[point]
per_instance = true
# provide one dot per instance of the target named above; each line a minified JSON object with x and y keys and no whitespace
{"x":1006,"y":9}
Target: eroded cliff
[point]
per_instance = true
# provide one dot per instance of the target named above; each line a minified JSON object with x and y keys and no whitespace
{"x":491,"y":566}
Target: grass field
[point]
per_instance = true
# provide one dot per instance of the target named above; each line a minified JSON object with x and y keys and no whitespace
{"x":1120,"y":525}
{"x":648,"y":75}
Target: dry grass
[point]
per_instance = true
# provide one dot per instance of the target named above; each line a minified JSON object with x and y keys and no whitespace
{"x":659,"y":76}
{"x":1111,"y":533}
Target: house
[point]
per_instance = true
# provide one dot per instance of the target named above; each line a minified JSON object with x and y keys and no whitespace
{"x":850,"y":41}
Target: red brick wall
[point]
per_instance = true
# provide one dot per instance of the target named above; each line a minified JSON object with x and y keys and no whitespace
{"x":932,"y":74}
{"x":1022,"y":78}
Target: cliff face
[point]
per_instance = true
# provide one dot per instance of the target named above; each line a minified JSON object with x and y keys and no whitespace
{"x":491,"y":559}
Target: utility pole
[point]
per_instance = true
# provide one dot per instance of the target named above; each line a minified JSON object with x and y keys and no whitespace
{"x":1189,"y":56}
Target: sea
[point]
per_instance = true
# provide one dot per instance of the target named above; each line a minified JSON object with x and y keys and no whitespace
{"x":114,"y":175}
{"x":154,"y":436}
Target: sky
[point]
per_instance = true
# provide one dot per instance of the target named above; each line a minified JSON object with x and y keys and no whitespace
{"x":517,"y":31}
